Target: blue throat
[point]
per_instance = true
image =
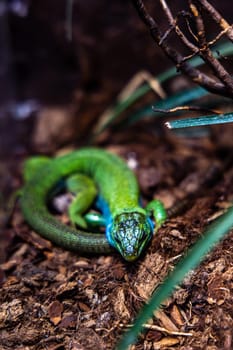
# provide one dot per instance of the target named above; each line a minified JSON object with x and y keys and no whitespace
{"x":102,"y":205}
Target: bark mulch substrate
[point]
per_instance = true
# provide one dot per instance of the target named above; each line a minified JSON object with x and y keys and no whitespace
{"x":54,"y":299}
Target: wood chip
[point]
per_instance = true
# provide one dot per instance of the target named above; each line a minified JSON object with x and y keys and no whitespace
{"x":165,"y":342}
{"x":55,"y":310}
{"x":176,"y":316}
{"x":166,"y":321}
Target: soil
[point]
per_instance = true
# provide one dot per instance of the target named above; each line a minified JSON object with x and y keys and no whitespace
{"x":54,"y":299}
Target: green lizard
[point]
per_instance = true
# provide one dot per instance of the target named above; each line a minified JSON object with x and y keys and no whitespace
{"x":95,"y":176}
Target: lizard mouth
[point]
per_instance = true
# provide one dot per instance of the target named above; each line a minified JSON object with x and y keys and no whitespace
{"x":130,"y":258}
{"x":130,"y":255}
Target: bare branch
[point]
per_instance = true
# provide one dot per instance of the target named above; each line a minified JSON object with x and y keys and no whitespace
{"x":223,"y":32}
{"x":205,"y":51}
{"x":217,"y":17}
{"x":173,"y":24}
{"x":196,"y":75}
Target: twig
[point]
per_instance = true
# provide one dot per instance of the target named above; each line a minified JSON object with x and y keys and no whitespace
{"x":196,"y":75}
{"x":213,"y":42}
{"x":205,"y":51}
{"x":173,"y":24}
{"x":185,"y":108}
{"x":217,"y":18}
{"x":160,"y":329}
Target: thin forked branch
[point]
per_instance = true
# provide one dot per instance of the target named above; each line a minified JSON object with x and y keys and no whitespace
{"x":205,"y":51}
{"x":217,"y":18}
{"x":223,"y":83}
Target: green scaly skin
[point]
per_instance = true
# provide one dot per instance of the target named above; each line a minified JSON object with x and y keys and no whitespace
{"x":129,"y":227}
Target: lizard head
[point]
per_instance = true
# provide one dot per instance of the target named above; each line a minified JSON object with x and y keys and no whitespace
{"x":129,"y":233}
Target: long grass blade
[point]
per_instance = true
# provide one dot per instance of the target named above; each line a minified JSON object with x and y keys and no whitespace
{"x":224,"y":49}
{"x":212,"y":235}
{"x":200,"y":121}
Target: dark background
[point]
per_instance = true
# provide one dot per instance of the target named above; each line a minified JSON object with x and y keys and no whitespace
{"x":41,"y":67}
